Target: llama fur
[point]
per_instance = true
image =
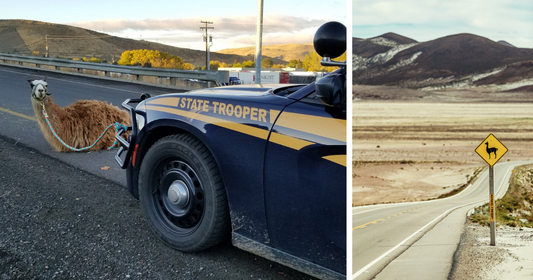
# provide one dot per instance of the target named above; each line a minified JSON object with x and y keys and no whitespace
{"x":78,"y":124}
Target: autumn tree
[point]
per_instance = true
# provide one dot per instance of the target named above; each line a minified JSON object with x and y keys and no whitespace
{"x":312,"y":62}
{"x":214,"y":65}
{"x":295,"y":63}
{"x":266,"y":62}
{"x":188,"y":66}
{"x":248,"y":64}
{"x":150,"y":58}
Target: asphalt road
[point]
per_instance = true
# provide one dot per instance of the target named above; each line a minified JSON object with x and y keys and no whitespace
{"x":417,"y":240}
{"x":62,"y":215}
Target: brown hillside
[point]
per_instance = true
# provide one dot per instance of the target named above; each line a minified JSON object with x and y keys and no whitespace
{"x":27,"y":36}
{"x":284,"y":52}
{"x":454,"y":56}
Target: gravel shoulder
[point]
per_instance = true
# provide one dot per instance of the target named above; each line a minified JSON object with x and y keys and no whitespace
{"x":511,"y":258}
{"x":57,"y":221}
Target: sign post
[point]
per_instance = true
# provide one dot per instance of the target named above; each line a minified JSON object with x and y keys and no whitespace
{"x":491,"y":146}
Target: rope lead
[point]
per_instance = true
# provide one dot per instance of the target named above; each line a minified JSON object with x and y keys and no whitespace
{"x":116,"y":125}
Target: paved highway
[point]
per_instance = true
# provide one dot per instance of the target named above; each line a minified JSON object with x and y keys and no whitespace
{"x":417,"y":240}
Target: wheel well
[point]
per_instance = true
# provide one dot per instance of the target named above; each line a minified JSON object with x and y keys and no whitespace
{"x":152,"y":137}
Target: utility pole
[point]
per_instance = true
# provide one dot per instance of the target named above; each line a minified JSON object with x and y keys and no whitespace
{"x":206,"y":39}
{"x":46,"y":40}
{"x":259,"y":41}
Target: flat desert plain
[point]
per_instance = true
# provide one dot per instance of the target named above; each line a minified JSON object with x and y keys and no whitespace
{"x":419,"y":145}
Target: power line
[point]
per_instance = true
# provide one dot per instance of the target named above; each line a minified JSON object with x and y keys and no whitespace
{"x":207,"y":40}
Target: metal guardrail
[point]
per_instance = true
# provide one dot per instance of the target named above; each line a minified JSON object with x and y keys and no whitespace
{"x":132,"y":73}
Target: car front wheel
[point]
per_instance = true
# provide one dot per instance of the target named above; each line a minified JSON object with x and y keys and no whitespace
{"x":182,"y":194}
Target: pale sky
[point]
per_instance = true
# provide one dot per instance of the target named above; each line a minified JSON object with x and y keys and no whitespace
{"x":177,"y":22}
{"x":508,"y":20}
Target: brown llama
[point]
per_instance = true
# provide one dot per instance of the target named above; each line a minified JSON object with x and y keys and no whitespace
{"x":78,"y":124}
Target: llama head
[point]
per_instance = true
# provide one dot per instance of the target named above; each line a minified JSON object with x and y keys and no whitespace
{"x":39,"y":89}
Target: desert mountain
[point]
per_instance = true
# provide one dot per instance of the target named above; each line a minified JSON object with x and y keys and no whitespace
{"x":27,"y":37}
{"x":505,"y":43}
{"x":456,"y":61}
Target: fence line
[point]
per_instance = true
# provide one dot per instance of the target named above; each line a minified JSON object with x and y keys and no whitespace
{"x":181,"y":79}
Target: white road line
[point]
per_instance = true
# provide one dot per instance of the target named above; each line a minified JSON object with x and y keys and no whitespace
{"x":405,"y":240}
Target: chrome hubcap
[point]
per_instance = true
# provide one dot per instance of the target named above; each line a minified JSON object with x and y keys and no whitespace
{"x":178,"y":193}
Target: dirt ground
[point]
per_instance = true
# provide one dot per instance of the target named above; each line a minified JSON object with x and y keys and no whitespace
{"x":511,"y":258}
{"x":403,"y":142}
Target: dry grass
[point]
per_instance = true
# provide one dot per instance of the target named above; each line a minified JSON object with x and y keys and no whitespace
{"x":284,"y":52}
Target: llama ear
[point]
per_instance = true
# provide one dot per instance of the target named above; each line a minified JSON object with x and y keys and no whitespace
{"x":31,"y":82}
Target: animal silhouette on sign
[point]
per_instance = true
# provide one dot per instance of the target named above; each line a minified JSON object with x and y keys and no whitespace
{"x":491,"y":150}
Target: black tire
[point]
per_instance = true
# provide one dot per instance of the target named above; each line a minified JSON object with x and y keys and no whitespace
{"x":198,"y":217}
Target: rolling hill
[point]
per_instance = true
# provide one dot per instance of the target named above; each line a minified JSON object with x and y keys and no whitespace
{"x":286,"y":52}
{"x":455,"y":61}
{"x":27,"y":37}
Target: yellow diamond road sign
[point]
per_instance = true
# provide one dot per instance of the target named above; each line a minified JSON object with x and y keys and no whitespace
{"x":491,"y":150}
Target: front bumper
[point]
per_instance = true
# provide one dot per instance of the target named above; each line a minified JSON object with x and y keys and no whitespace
{"x":126,"y":145}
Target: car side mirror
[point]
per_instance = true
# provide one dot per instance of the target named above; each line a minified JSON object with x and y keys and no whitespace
{"x":331,"y":89}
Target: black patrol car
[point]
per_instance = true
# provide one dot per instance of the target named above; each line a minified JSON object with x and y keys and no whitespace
{"x":264,"y":165}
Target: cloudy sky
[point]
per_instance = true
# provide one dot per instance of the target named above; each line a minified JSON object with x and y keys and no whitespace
{"x":509,"y":20}
{"x":177,"y":22}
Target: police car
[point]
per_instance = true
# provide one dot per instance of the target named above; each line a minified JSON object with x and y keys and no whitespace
{"x":262,"y":165}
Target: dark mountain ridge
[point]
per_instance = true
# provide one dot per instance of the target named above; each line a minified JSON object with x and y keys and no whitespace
{"x":441,"y":61}
{"x":380,"y":44}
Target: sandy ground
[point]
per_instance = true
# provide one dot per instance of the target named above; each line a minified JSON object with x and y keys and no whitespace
{"x":396,"y":182}
{"x":416,"y":136}
{"x":511,"y":258}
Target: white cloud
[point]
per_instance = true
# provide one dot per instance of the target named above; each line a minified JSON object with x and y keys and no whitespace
{"x":227,"y":32}
{"x":427,"y":20}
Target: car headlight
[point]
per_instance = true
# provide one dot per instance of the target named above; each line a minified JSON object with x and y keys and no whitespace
{"x":141,"y":121}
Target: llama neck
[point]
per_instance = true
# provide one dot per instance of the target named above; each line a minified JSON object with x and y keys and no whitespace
{"x":55,"y":113}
